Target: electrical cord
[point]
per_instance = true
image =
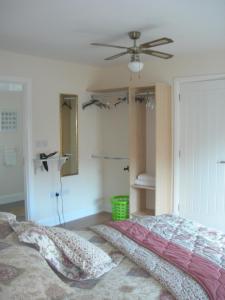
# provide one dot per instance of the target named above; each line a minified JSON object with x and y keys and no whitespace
{"x":62,"y":201}
{"x":57,"y":202}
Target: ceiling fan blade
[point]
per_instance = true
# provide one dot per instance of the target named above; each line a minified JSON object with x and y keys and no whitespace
{"x":157,"y":42}
{"x":107,"y":45}
{"x":157,"y":54}
{"x":117,"y":55}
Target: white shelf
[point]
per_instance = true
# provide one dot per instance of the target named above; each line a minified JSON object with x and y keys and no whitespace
{"x":59,"y":159}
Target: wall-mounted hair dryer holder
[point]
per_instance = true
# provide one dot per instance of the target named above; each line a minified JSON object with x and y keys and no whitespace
{"x":40,"y":163}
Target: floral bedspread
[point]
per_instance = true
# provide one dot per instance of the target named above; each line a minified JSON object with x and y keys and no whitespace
{"x":208,"y":245}
{"x":25,"y":275}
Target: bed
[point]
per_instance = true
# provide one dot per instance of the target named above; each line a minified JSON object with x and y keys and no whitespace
{"x":141,"y":274}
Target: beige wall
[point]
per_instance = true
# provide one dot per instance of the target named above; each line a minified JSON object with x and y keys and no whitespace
{"x":163,"y":70}
{"x":115,"y":143}
{"x":82,"y":193}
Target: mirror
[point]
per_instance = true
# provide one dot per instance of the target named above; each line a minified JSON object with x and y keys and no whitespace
{"x":69,"y":133}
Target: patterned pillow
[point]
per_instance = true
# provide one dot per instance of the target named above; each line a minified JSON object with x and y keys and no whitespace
{"x":48,"y":250}
{"x":5,"y":229}
{"x":92,"y":260}
{"x":5,"y":216}
{"x":24,"y":274}
{"x":20,"y":227}
{"x":66,"y":251}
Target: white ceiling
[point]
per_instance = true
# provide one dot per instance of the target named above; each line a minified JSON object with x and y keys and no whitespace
{"x":63,"y":29}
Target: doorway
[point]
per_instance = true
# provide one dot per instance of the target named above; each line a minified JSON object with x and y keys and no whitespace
{"x":15,"y":154}
{"x":199,"y":157}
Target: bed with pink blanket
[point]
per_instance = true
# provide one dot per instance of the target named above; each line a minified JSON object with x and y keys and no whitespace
{"x":185,"y":257}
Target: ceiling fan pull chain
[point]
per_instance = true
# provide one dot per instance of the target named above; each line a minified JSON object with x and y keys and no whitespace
{"x":139,"y":74}
{"x":130,"y":76}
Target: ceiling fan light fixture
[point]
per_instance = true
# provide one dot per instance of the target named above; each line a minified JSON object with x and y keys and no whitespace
{"x":135,"y":65}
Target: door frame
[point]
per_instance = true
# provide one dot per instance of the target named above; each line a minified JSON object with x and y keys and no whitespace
{"x":27,"y":140}
{"x":176,"y":130}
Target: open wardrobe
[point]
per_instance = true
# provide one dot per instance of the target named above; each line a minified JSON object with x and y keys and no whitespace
{"x":137,"y":161}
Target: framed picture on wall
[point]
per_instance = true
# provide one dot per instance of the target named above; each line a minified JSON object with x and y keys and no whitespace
{"x":8,"y":120}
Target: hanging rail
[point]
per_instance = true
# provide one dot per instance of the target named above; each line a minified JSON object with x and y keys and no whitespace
{"x":109,"y":157}
{"x":102,"y":99}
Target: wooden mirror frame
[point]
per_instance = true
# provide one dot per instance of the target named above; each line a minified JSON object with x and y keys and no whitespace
{"x":71,"y":166}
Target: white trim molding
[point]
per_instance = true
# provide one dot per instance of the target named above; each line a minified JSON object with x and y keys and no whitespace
{"x":27,"y":140}
{"x":176,"y":129}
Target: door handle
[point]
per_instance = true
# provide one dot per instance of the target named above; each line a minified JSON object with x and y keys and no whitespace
{"x":127,"y":168}
{"x":221,"y":162}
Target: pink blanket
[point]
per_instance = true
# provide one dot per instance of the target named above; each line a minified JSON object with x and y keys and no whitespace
{"x":207,"y":271}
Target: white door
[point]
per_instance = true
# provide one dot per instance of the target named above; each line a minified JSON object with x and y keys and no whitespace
{"x":202,"y":152}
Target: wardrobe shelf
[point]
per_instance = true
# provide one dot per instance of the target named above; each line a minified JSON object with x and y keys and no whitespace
{"x":145,"y":187}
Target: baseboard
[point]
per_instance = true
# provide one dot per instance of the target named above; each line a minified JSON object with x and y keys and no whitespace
{"x":6,"y":199}
{"x":53,"y":221}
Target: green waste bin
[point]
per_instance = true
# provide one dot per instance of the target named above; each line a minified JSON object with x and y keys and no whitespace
{"x":120,"y":207}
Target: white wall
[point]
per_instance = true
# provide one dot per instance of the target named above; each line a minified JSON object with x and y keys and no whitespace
{"x":82,"y":193}
{"x":11,"y":176}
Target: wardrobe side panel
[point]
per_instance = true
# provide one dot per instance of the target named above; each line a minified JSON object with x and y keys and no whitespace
{"x":150,"y":152}
{"x":137,"y":148}
{"x":163,"y":149}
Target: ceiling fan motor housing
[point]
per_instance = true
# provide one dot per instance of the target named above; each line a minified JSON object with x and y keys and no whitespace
{"x":135,"y":57}
{"x":134,"y":35}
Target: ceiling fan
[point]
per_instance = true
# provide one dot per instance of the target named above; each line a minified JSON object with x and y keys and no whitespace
{"x":135,"y":65}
